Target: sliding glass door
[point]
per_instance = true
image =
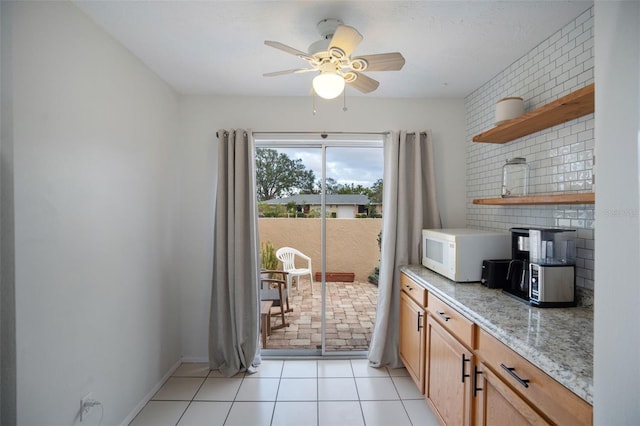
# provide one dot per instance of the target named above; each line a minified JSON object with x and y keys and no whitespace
{"x":322,"y":196}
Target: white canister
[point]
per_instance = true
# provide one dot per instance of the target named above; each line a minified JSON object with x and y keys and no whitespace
{"x":508,"y":108}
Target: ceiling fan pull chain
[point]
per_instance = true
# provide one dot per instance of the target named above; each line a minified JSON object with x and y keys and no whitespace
{"x":313,"y":97}
{"x":344,"y":105}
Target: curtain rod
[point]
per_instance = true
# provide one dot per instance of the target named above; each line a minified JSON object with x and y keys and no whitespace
{"x":226,"y":133}
{"x":321,"y":133}
{"x":334,"y":133}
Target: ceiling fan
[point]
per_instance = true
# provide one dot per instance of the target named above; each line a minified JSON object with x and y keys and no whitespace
{"x":331,"y":56}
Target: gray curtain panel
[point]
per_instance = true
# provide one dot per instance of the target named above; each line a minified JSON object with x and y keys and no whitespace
{"x":409,"y":184}
{"x":233,"y":323}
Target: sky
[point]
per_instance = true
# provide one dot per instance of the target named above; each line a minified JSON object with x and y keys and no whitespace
{"x":360,"y":166}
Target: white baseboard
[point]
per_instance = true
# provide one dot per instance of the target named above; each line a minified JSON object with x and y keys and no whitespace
{"x":197,"y":359}
{"x":149,"y":395}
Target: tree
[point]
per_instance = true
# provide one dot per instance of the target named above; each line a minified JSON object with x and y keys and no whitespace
{"x":375,"y":192}
{"x":333,"y":187}
{"x":279,"y":176}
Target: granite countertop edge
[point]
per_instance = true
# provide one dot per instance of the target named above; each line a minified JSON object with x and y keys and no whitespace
{"x":556,"y":355}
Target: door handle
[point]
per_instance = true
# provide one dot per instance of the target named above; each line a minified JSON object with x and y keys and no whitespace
{"x":443,"y":316}
{"x":419,"y":318}
{"x":464,"y":359}
{"x":510,"y":370}
{"x":475,"y":381}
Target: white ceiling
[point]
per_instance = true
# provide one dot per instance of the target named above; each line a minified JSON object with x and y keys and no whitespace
{"x":216,"y":47}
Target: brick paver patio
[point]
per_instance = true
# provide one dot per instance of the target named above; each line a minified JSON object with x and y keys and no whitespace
{"x":351,"y":313}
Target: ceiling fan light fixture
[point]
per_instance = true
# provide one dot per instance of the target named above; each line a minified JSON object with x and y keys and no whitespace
{"x":328,"y":85}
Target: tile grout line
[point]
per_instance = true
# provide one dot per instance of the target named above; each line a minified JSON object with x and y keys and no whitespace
{"x":280,"y":377}
{"x":192,"y":398}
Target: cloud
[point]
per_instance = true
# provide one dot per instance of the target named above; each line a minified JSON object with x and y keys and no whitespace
{"x":360,"y":166}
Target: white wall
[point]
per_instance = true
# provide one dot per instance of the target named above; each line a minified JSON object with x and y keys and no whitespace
{"x":7,"y":288}
{"x":94,"y":136}
{"x":201,"y":117}
{"x":617,"y":294}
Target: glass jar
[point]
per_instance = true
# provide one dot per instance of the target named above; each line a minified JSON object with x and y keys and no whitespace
{"x":515,"y":177}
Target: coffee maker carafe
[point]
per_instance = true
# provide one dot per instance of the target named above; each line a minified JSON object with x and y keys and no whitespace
{"x":518,"y":272}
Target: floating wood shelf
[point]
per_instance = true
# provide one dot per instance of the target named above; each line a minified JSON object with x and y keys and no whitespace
{"x":582,"y":198}
{"x":574,"y":105}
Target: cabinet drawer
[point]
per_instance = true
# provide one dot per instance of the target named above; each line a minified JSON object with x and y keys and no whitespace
{"x":557,"y":403}
{"x":452,"y":320}
{"x":414,"y":290}
{"x":497,"y":404}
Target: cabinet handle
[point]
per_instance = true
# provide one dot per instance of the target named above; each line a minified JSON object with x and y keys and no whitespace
{"x":409,"y":287}
{"x":443,"y":316}
{"x":464,"y":359}
{"x":419,"y":318}
{"x":475,"y":381}
{"x":510,"y":370}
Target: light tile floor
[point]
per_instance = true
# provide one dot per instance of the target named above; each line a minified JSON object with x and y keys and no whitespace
{"x":289,"y":392}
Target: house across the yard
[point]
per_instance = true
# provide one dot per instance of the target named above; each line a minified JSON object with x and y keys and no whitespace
{"x":341,"y":206}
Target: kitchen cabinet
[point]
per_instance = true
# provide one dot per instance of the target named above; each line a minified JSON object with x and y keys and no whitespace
{"x":413,"y":300}
{"x":497,"y":404}
{"x":508,"y":384}
{"x":448,"y":384}
{"x":449,"y":363}
{"x":466,"y":374}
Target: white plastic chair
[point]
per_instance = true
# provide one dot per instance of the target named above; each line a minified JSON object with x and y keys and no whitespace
{"x":287,"y":255}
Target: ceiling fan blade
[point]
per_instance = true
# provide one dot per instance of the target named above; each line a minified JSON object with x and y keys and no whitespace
{"x":383,"y":61}
{"x":285,"y":48}
{"x":346,"y":39}
{"x":364,"y":84}
{"x":295,"y":71}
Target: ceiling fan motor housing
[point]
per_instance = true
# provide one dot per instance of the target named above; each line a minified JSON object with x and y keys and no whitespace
{"x":327,"y":27}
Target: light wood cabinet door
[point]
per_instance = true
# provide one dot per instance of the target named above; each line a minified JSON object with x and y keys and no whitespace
{"x":448,"y":376}
{"x":496,"y":404}
{"x":412,"y":338}
{"x":546,"y":395}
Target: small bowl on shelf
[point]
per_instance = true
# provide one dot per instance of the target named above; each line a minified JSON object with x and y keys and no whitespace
{"x":508,"y":109}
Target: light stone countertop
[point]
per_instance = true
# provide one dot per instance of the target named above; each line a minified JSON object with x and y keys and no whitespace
{"x":559,"y":341}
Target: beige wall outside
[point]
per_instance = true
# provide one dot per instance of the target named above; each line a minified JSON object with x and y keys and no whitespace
{"x":352,"y":244}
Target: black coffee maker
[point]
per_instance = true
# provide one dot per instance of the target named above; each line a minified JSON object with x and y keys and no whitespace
{"x":518,"y":273}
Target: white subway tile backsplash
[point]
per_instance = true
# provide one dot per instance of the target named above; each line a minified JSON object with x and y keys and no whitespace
{"x":560,"y":158}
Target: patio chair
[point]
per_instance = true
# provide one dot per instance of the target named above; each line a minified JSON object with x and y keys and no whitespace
{"x":274,"y":289}
{"x":287,"y":255}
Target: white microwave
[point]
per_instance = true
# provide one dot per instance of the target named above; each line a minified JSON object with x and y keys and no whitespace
{"x":457,"y":253}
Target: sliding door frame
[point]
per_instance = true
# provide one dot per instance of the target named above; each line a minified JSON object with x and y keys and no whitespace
{"x":320,"y":141}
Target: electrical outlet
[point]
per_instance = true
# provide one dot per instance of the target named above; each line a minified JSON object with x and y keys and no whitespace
{"x":86,"y":406}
